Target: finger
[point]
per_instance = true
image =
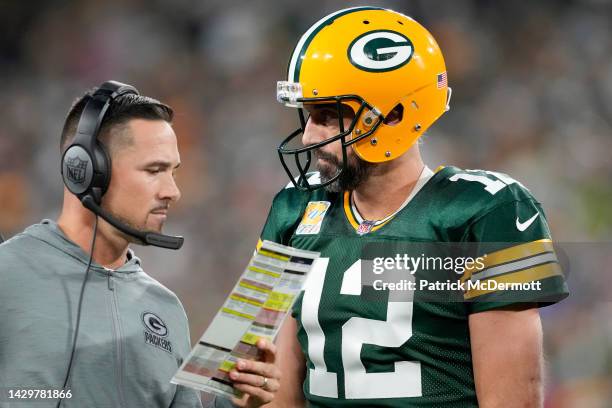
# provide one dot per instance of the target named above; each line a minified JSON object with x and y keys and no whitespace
{"x":269,"y":350}
{"x":256,"y":392}
{"x":240,"y":402}
{"x":255,"y":380}
{"x":251,"y":379}
{"x":256,"y":367}
{"x":272,"y":386}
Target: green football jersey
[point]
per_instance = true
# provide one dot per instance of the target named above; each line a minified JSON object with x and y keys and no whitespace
{"x":363,"y":350}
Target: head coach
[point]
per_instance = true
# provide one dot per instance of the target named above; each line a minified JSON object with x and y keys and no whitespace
{"x":83,"y":324}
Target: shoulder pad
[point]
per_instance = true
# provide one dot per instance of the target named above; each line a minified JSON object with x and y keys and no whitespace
{"x":465,"y":195}
{"x":489,"y":186}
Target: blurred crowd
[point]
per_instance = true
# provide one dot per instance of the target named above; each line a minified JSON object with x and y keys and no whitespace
{"x":532,"y":92}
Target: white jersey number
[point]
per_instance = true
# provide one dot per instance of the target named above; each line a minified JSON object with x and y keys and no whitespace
{"x":403,"y":382}
{"x":491,"y":186}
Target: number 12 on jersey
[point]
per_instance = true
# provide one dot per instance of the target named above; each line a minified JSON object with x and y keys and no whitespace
{"x":403,"y":382}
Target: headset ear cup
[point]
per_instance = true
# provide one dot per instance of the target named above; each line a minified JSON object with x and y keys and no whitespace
{"x":103,"y":171}
{"x":77,"y":170}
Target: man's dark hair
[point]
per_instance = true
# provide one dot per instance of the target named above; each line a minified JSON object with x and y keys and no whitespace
{"x":120,"y":112}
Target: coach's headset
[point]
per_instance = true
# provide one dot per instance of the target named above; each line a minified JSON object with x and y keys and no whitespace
{"x":86,"y":165}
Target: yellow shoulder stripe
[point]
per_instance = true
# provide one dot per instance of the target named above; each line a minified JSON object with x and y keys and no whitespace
{"x":511,"y":254}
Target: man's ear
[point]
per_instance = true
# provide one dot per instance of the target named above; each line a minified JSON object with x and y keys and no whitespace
{"x":395,"y":116}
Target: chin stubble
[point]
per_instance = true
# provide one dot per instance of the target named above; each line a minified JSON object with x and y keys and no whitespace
{"x":357,"y":172}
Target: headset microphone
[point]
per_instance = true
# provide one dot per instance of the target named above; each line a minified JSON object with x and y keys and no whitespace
{"x":146,"y":238}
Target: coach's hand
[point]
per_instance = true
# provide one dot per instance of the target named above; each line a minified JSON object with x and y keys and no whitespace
{"x":259,"y":380}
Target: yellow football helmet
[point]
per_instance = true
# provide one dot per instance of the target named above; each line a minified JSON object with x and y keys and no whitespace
{"x":374,"y":60}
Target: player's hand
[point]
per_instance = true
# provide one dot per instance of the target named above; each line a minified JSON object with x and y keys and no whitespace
{"x":259,"y":380}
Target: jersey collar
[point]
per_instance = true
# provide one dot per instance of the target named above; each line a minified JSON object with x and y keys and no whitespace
{"x":363,"y":226}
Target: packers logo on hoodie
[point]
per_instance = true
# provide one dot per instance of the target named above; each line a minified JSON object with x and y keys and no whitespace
{"x":156,"y":332}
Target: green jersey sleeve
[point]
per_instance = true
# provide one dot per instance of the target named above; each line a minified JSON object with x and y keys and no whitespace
{"x":285,"y":212}
{"x":520,"y":263}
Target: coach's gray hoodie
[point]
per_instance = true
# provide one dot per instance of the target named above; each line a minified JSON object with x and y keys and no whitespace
{"x":133,"y":334}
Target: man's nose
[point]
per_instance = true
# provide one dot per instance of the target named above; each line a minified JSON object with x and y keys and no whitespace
{"x":170,"y":190}
{"x":314,"y":133}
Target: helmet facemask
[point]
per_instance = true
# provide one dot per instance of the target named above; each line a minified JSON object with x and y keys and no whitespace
{"x":290,"y":95}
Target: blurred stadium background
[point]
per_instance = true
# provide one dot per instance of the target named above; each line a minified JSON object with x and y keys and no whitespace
{"x":532,"y":97}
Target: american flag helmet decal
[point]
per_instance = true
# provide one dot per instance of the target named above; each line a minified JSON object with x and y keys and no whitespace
{"x":442,"y":80}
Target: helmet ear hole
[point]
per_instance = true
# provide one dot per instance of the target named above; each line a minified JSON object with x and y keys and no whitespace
{"x":395,"y":116}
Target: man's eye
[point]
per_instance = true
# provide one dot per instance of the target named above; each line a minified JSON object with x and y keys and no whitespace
{"x":330,"y":115}
{"x":326,"y":116}
{"x":153,"y":171}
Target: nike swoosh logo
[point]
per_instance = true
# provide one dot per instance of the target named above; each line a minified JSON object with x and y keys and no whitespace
{"x":522,"y":226}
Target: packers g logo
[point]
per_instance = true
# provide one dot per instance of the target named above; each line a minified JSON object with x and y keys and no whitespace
{"x":380,"y":51}
{"x":154,"y":324}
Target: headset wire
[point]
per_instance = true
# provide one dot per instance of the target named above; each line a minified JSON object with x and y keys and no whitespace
{"x":79,"y":308}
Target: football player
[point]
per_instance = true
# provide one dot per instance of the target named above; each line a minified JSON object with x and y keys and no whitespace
{"x":368,"y":82}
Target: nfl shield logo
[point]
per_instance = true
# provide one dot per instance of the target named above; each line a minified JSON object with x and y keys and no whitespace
{"x":365,"y":227}
{"x":76,"y":169}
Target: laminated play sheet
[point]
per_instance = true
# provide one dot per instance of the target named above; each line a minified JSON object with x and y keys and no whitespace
{"x":255,"y":309}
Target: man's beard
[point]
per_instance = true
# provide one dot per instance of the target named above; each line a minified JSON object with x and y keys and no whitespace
{"x":138,"y":228}
{"x":356,"y":172}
